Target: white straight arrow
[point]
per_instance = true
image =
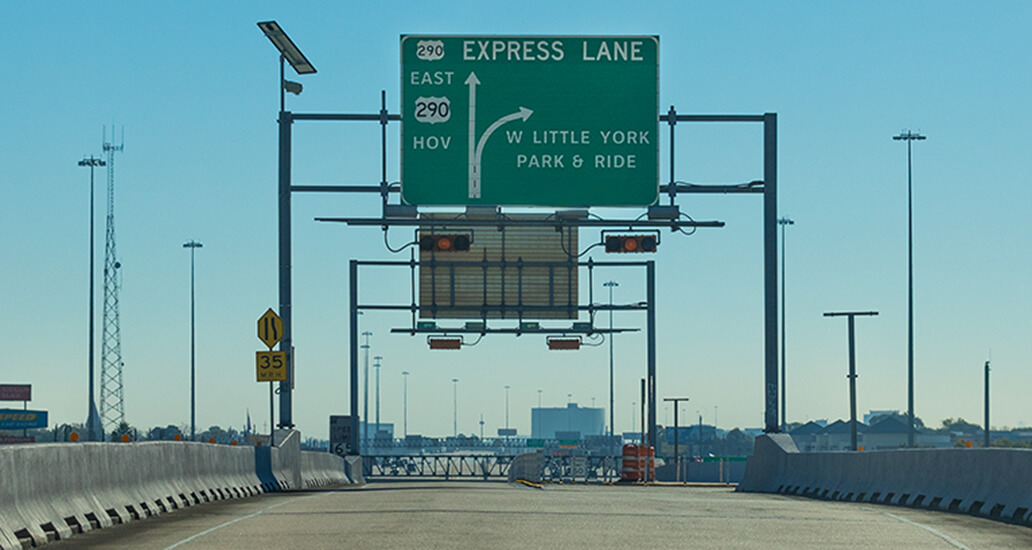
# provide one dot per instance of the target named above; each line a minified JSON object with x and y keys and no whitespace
{"x":474,"y":168}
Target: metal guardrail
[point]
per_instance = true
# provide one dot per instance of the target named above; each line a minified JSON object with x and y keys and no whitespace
{"x":553,"y":468}
{"x":438,"y":466}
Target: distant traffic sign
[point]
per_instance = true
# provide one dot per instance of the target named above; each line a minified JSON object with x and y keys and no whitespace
{"x":530,"y":120}
{"x":270,"y":328}
{"x":340,"y":435}
{"x":271,"y":366}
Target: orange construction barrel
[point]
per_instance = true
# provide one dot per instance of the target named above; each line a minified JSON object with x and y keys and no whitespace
{"x":630,"y":470}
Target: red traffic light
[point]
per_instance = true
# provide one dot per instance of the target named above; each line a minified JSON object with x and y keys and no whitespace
{"x":444,"y":243}
{"x":631,"y":243}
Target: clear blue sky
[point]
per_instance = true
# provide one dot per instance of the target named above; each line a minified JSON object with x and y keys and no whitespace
{"x":195,"y":86}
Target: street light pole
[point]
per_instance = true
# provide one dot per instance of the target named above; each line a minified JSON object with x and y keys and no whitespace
{"x":852,"y":369}
{"x":784,"y":381}
{"x":365,"y":389}
{"x":193,"y":246}
{"x":909,"y":136}
{"x":507,"y":410}
{"x":91,"y":424}
{"x":405,"y":401}
{"x":455,"y":406}
{"x":611,"y":285}
{"x":378,"y":358}
{"x":987,"y":440}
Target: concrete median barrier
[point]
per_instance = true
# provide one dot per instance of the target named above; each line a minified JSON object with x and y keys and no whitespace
{"x":527,"y":467}
{"x":51,"y":491}
{"x":981,"y":482}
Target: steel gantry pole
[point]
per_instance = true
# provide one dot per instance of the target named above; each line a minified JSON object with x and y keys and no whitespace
{"x":91,"y":423}
{"x":353,"y":435}
{"x":285,"y":311}
{"x":770,"y":261}
{"x":784,"y":380}
{"x":650,"y":296}
{"x":909,"y":136}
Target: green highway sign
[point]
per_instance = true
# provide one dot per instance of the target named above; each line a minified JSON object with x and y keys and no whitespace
{"x":530,"y":120}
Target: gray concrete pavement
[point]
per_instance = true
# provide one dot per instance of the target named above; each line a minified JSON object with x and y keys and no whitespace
{"x":498,"y":515}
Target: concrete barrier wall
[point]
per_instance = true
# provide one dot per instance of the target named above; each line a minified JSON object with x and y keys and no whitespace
{"x":527,"y":467}
{"x":53,"y":490}
{"x":981,"y":482}
{"x":353,"y":468}
{"x":321,"y":469}
{"x":286,"y":459}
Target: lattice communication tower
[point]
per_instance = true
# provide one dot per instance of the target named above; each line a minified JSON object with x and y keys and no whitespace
{"x":112,"y":397}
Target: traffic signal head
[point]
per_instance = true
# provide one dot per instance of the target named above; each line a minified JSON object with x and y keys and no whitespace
{"x":445,"y":342}
{"x":631,"y":243}
{"x":444,"y":243}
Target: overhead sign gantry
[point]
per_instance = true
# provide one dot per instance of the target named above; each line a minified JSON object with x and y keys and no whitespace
{"x":530,"y":120}
{"x":471,"y":186}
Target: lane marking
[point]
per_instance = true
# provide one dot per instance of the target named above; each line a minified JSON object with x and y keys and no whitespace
{"x":936,"y":532}
{"x":231,"y":522}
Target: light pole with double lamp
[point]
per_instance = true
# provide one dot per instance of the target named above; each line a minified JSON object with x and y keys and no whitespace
{"x":193,"y":246}
{"x":908,"y":136}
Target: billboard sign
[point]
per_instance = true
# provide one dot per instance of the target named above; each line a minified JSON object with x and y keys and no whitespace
{"x":16,"y":439}
{"x":15,"y":392}
{"x":18,"y":419}
{"x":530,"y":120}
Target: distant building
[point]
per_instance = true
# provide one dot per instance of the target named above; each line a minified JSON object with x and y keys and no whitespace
{"x":837,"y":436}
{"x":805,"y":436}
{"x":377,"y":431}
{"x":889,"y":433}
{"x":548,"y":423}
{"x":874,"y":414}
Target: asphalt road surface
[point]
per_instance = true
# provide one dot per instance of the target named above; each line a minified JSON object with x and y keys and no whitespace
{"x":454,"y":514}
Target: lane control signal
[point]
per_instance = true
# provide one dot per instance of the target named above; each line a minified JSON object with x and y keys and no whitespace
{"x":444,"y":243}
{"x":445,"y":342}
{"x":631,"y":243}
{"x":561,"y":343}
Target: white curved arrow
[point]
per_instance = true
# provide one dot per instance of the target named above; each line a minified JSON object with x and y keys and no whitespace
{"x":475,"y":152}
